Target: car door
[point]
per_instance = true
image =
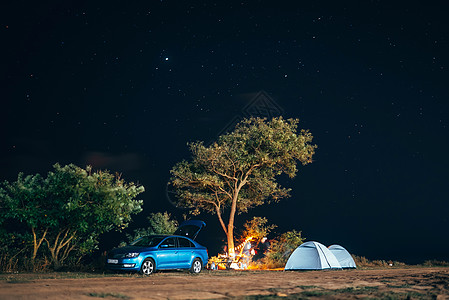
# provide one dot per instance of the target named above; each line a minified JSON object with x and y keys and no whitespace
{"x":167,"y":254}
{"x":186,"y":252}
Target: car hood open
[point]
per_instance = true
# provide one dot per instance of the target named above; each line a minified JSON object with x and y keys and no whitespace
{"x":190,"y":228}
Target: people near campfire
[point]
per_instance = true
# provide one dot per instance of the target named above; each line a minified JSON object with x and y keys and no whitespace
{"x":262,"y":248}
{"x":247,"y":254}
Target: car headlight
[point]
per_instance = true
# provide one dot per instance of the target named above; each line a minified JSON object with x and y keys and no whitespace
{"x":130,"y":255}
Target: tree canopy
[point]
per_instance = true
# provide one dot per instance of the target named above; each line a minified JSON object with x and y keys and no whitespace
{"x":67,"y":210}
{"x":256,"y":228}
{"x":159,"y":223}
{"x":239,"y":171}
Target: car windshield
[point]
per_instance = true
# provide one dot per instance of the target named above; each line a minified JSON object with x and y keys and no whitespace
{"x":148,"y":241}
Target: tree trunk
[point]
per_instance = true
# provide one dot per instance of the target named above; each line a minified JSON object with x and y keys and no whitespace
{"x":36,"y":243}
{"x":60,"y":244}
{"x":230,"y":235}
{"x":221,"y":220}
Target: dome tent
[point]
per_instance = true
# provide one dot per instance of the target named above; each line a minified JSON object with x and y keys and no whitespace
{"x":344,"y":258}
{"x":312,"y":256}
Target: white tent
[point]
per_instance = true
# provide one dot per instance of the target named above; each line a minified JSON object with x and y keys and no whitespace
{"x":344,"y":258}
{"x":312,"y":256}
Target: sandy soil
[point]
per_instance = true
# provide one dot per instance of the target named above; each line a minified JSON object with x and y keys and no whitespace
{"x":407,"y":283}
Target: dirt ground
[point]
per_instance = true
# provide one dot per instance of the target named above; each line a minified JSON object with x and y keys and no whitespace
{"x":406,"y":283}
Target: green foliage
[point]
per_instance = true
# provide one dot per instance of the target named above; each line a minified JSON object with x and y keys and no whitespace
{"x":256,"y":228}
{"x":282,"y":247}
{"x":239,"y":171}
{"x":66,"y":211}
{"x":253,"y":154}
{"x":160,"y":223}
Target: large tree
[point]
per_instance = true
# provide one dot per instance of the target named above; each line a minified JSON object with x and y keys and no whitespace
{"x":240,"y":170}
{"x":67,"y":210}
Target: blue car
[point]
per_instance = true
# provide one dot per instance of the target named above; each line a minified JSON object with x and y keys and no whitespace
{"x":162,"y":252}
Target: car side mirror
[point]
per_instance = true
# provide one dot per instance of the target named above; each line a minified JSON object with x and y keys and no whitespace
{"x":163,"y":246}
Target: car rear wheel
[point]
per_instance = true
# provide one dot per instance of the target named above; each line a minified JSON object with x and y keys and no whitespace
{"x":147,"y":267}
{"x":197,"y":266}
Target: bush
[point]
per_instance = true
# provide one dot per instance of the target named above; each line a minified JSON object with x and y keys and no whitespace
{"x":281,"y":248}
{"x":59,"y":218}
{"x":363,"y":262}
{"x":436,"y":263}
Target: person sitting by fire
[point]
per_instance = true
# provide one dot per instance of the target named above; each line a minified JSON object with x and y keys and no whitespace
{"x":247,"y":254}
{"x":262,"y":248}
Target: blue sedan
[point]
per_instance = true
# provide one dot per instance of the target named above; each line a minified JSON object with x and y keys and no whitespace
{"x":162,"y":252}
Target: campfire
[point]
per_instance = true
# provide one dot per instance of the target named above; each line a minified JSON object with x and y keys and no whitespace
{"x":242,"y":260}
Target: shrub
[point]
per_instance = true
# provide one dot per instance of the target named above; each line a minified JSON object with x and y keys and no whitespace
{"x":281,"y":248}
{"x":363,"y":262}
{"x":436,"y":263}
{"x":59,"y":218}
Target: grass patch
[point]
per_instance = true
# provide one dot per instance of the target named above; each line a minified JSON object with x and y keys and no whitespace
{"x":371,"y":292}
{"x":407,"y":295}
{"x":402,"y":286}
{"x":18,"y":280}
{"x":106,"y":295}
{"x":349,"y":290}
{"x":24,"y":277}
{"x":307,"y":287}
{"x":320,"y":293}
{"x":270,"y":297}
{"x":357,"y":289}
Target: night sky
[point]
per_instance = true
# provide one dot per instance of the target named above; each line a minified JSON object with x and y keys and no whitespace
{"x":125,"y":85}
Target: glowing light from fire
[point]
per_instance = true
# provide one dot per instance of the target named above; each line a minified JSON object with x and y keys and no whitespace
{"x":240,"y":247}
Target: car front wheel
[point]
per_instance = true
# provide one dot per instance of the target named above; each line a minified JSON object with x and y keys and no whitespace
{"x":147,"y":267}
{"x":197,"y":266}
